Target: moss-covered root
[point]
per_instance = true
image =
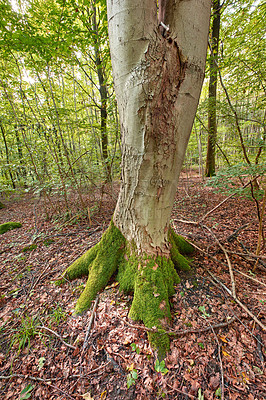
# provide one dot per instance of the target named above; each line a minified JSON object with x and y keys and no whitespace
{"x":8,"y":226}
{"x":179,"y":248}
{"x":99,"y":263}
{"x":154,"y":283}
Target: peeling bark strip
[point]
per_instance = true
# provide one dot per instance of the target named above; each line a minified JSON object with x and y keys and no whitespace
{"x":165,"y":74}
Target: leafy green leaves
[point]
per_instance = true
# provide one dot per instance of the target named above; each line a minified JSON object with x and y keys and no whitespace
{"x":160,"y":367}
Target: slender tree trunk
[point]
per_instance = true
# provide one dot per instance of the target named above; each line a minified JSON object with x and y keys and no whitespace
{"x":7,"y":154}
{"x":104,"y":97}
{"x":212,"y":123}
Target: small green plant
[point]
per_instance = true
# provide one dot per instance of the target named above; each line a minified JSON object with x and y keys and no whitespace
{"x":201,"y":345}
{"x":26,"y":392}
{"x":200,"y":395}
{"x":160,"y":367}
{"x":57,"y":315}
{"x":218,"y":393}
{"x":226,"y":179}
{"x":203,"y":311}
{"x":135,"y":348}
{"x":27,"y":330}
{"x":131,"y":378}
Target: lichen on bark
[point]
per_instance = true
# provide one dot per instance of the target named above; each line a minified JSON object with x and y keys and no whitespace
{"x":152,"y":279}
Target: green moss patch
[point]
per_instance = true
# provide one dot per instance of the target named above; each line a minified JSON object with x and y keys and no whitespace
{"x":30,"y":247}
{"x":151,"y":279}
{"x":8,"y":226}
{"x":99,"y":263}
{"x":48,"y":242}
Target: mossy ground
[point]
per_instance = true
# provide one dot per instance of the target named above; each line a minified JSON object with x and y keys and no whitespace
{"x":151,"y":279}
{"x":8,"y":226}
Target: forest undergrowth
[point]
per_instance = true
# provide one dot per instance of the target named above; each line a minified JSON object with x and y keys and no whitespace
{"x":218,"y":310}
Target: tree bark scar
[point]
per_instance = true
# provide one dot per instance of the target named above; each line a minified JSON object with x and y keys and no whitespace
{"x":166,"y":68}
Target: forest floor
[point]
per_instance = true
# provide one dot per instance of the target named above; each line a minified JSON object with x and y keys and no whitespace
{"x":43,"y":354}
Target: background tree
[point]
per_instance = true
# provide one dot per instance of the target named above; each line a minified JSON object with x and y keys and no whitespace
{"x":213,"y":71}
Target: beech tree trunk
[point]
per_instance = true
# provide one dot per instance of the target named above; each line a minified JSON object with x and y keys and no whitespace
{"x":158,"y":69}
{"x":158,"y":80}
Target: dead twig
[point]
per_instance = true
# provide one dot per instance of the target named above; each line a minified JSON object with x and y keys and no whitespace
{"x":90,"y":323}
{"x":220,"y":360}
{"x":35,"y":283}
{"x":246,"y":327}
{"x":227,"y":259}
{"x":229,"y":291}
{"x":226,"y":199}
{"x":236,"y":299}
{"x":223,"y":249}
{"x":234,"y":235}
{"x":182,"y":332}
{"x":56,"y":334}
{"x":252,"y":255}
{"x":35,"y":378}
{"x":180,"y":391}
{"x":250,"y":277}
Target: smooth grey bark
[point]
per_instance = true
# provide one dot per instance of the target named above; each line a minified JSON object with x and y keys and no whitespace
{"x":158,"y":79}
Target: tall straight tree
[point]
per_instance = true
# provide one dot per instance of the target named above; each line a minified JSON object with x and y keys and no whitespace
{"x":158,"y":58}
{"x":212,"y":123}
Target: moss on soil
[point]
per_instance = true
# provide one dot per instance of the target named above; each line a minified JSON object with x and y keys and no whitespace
{"x":30,"y":247}
{"x":152,"y":279}
{"x":8,"y":226}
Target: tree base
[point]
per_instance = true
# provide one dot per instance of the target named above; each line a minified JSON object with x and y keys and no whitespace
{"x":152,"y":279}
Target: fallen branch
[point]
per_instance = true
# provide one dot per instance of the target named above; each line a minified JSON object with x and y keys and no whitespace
{"x":229,"y":291}
{"x":227,"y":258}
{"x":182,"y":332}
{"x":180,"y":391}
{"x":90,"y":323}
{"x":56,"y":334}
{"x":34,"y":378}
{"x":36,"y":282}
{"x":220,"y":360}
{"x":250,"y":277}
{"x":236,"y":299}
{"x":234,"y":235}
{"x":227,"y":198}
{"x":248,"y":255}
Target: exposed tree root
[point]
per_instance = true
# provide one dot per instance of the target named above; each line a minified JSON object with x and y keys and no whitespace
{"x":151,"y":278}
